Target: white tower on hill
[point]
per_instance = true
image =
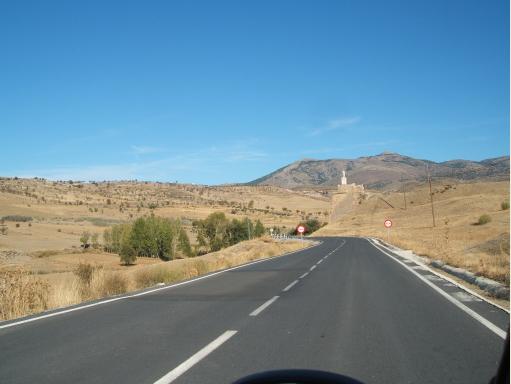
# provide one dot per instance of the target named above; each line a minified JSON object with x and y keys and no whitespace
{"x":344,"y":180}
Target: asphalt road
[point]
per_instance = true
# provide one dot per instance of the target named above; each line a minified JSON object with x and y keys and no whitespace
{"x":342,"y":306}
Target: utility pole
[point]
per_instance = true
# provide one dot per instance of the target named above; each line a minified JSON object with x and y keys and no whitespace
{"x":404,"y":193}
{"x":431,"y":195}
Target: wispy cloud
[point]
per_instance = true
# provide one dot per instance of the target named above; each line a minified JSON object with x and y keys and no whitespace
{"x":205,"y":162}
{"x":144,"y":150}
{"x":334,"y":125}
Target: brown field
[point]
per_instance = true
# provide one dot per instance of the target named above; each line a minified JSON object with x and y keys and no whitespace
{"x":456,"y":239}
{"x":62,"y":211}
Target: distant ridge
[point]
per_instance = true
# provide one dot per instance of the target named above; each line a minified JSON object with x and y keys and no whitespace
{"x":382,"y":171}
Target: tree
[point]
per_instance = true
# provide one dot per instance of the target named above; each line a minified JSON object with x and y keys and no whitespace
{"x":236,"y":232}
{"x":312,"y":225}
{"x":184,"y":243}
{"x":127,"y":253}
{"x":212,"y":231}
{"x":107,"y":240}
{"x":141,"y":240}
{"x":84,"y":239}
{"x":259,"y":229}
{"x":94,"y":241}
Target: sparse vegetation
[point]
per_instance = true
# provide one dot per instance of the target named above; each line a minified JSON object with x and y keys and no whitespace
{"x":504,"y":205}
{"x":18,"y":218}
{"x":484,"y":219}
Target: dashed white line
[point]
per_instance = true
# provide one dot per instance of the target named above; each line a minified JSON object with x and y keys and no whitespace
{"x":147,"y":292}
{"x":312,"y":268}
{"x":264,"y":306}
{"x":305,"y":274}
{"x":290,"y":286}
{"x":319,"y":262}
{"x":190,"y":362}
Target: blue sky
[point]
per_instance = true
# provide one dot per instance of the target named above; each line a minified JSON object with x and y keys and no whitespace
{"x":227,"y":91}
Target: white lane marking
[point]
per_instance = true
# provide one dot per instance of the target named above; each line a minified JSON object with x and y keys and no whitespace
{"x":433,"y":278}
{"x":462,"y":296}
{"x":312,"y":268}
{"x":319,"y":262}
{"x":419,"y":268}
{"x":264,"y":306}
{"x":305,"y":274}
{"x":290,"y":286}
{"x":191,"y":361}
{"x":492,"y":327}
{"x":446,"y":277}
{"x":57,"y":313}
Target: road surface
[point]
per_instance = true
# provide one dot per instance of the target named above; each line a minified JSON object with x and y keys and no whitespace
{"x":343,"y":306}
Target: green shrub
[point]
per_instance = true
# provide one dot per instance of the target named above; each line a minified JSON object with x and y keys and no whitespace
{"x":17,"y":218}
{"x":484,"y":219}
{"x":504,"y":205}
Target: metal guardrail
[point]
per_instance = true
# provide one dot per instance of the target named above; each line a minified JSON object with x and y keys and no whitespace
{"x":286,"y":237}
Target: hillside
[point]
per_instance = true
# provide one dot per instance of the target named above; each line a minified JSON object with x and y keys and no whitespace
{"x":61,"y":211}
{"x":383,"y":171}
{"x":456,"y":239}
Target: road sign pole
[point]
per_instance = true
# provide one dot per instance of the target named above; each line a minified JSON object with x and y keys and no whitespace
{"x":388,"y":225}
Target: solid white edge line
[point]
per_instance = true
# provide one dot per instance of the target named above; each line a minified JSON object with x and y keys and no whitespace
{"x":264,"y":306}
{"x":445,"y":276}
{"x":79,"y":307}
{"x":312,"y":268}
{"x":191,"y":361}
{"x":492,"y":327}
{"x":305,"y":274}
{"x":290,"y":286}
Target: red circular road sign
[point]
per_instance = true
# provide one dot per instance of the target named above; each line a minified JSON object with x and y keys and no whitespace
{"x":300,"y":229}
{"x":387,"y":223}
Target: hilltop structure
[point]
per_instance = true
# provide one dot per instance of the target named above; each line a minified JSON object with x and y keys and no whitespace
{"x":345,"y":198}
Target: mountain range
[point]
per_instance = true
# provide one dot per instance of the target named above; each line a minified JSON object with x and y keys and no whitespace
{"x":382,"y":171}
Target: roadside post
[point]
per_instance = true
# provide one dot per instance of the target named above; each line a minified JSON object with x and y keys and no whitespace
{"x":388,"y":225}
{"x":301,"y":230}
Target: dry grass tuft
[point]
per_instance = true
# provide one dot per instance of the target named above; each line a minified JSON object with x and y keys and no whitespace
{"x":109,"y":283}
{"x":21,"y":294}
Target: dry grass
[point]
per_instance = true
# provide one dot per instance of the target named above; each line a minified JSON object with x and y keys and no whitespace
{"x":482,"y":249}
{"x":21,"y":295}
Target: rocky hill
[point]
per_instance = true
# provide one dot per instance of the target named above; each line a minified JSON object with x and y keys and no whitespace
{"x":382,"y":171}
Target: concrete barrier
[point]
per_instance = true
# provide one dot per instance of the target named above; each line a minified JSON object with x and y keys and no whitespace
{"x":493,"y":287}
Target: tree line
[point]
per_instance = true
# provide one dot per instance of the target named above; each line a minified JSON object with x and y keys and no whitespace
{"x":153,"y":236}
{"x":216,"y":231}
{"x":150,"y":236}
